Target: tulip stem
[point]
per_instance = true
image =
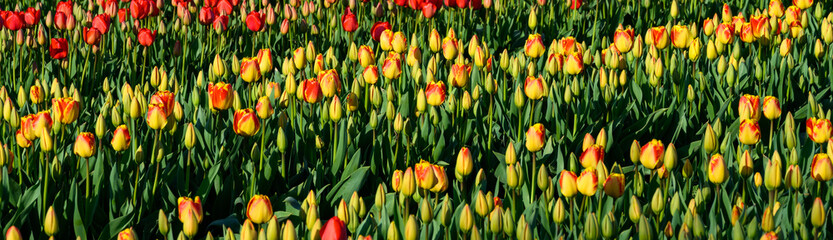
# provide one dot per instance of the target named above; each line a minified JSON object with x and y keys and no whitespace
{"x":771,"y":125}
{"x":136,"y":185}
{"x":572,"y":203}
{"x":187,"y":168}
{"x":87,"y":160}
{"x":491,"y":105}
{"x":153,"y":159}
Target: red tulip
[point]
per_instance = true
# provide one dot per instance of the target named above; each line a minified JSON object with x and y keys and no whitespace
{"x":334,"y":229}
{"x":378,"y":28}
{"x":13,"y":21}
{"x":224,"y":7}
{"x":146,"y":37}
{"x":462,"y":3}
{"x":312,"y":90}
{"x":122,"y":15}
{"x":221,"y":22}
{"x":138,"y":9}
{"x":575,"y":4}
{"x":210,"y":3}
{"x":254,"y":21}
{"x":102,"y":23}
{"x":64,"y":7}
{"x":428,"y":10}
{"x":206,"y":16}
{"x":348,"y":21}
{"x":400,"y":2}
{"x":91,"y":36}
{"x":58,"y":48}
{"x":31,"y":16}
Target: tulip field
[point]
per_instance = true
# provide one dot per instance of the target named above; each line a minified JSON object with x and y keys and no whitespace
{"x":416,"y":119}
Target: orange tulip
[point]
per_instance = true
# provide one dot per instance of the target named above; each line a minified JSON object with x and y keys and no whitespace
{"x":657,"y":36}
{"x":459,"y":75}
{"x":441,"y":179}
{"x":259,"y":209}
{"x":424,"y":173}
{"x":652,"y":154}
{"x":568,"y":46}
{"x":747,"y":34}
{"x":792,"y":15}
{"x":818,"y":129}
{"x":623,"y":39}
{"x":329,"y":82}
{"x":760,"y":26}
{"x":708,"y":26}
{"x":67,"y":109}
{"x":312,"y":90}
{"x":749,"y":107}
{"x":614,"y":185}
{"x":680,"y":36}
{"x":246,"y":123}
{"x":187,"y":206}
{"x":164,"y":98}
{"x":534,"y":46}
{"x":250,"y":69}
{"x":592,"y":156}
{"x":567,"y":183}
{"x":392,"y":67}
{"x":535,"y":138}
{"x":725,"y":33}
{"x":396,"y":180}
{"x":435,"y":93}
{"x":27,"y":125}
{"x":771,"y":108}
{"x":84,"y":145}
{"x":264,"y":108}
{"x":42,"y":122}
{"x":220,"y":95}
{"x":534,"y":87}
{"x":821,"y":169}
{"x":749,"y":132}
{"x":587,"y":182}
{"x":121,"y":138}
{"x":21,"y":139}
{"x":156,"y":117}
{"x":737,"y":23}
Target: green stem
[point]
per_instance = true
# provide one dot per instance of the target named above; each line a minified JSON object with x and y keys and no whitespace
{"x":153,"y":159}
{"x":87,"y":160}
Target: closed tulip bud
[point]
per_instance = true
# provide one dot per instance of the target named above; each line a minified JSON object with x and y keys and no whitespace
{"x":46,"y":143}
{"x":535,"y":137}
{"x":793,"y":177}
{"x":645,"y":231}
{"x":591,"y":226}
{"x":466,"y":219}
{"x":717,"y":169}
{"x":408,"y":184}
{"x":496,"y":220}
{"x":772,"y":172}
{"x":635,"y":210}
{"x":709,"y":139}
{"x":481,"y":206}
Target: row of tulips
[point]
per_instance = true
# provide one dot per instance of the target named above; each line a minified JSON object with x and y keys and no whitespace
{"x":555,"y":119}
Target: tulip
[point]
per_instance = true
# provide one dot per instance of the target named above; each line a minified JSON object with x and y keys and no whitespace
{"x":58,"y":48}
{"x":408,"y":183}
{"x":775,"y":8}
{"x":348,"y":21}
{"x":250,"y":69}
{"x":398,"y":42}
{"x":749,"y":107}
{"x":725,"y":33}
{"x":817,"y":214}
{"x":254,"y":21}
{"x":772,"y":174}
{"x":67,"y":109}
{"x":535,"y":137}
{"x":329,"y":82}
{"x":573,"y":63}
{"x":651,"y":154}
{"x":42,"y":122}
{"x":84,"y":145}
{"x":657,"y":36}
{"x":771,"y":108}
{"x":819,"y":130}
{"x":567,"y":183}
{"x":784,"y":49}
{"x":91,"y":35}
{"x":750,"y":132}
{"x":587,"y":182}
{"x":50,"y":222}
{"x":139,"y":9}
{"x":156,"y":117}
{"x":424,"y":174}
{"x":534,"y":87}
{"x":334,"y":229}
{"x":717,"y":169}
{"x":449,"y":47}
{"x":146,"y":36}
{"x":747,"y":34}
{"x":127,"y":234}
{"x":370,"y":74}
{"x":220,"y":95}
{"x":614,"y":185}
{"x":745,"y":164}
{"x":623,"y":39}
{"x":534,"y":46}
{"x":13,"y":234}
{"x":680,"y":36}
{"x":459,"y":74}
{"x":803,"y":4}
{"x":392,"y":66}
{"x":311,"y":90}
{"x":259,"y":209}
{"x":187,"y":206}
{"x":121,"y":138}
{"x":464,"y":164}
{"x":366,"y":56}
{"x":396,"y":180}
{"x":441,"y":179}
{"x":377,"y":29}
{"x":264,"y":59}
{"x":435,"y":93}
{"x":821,"y":169}
{"x":246,"y":123}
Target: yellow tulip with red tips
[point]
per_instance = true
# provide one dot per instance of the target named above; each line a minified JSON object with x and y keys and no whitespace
{"x":534,"y":46}
{"x":250,"y":69}
{"x":592,"y":156}
{"x":259,"y":209}
{"x":749,"y":132}
{"x":821,"y":169}
{"x":652,"y":154}
{"x":535,"y":137}
{"x":623,"y":39}
{"x":66,"y":109}
{"x":587,"y":182}
{"x":717,"y":169}
{"x":534,"y":87}
{"x":84,"y":145}
{"x":435,"y":93}
{"x":614,"y":185}
{"x":156,"y":117}
{"x":819,"y":129}
{"x":220,"y":95}
{"x":567,"y":183}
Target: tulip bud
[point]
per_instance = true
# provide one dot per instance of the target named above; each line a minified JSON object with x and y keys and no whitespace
{"x":635,"y":210}
{"x":645,"y":231}
{"x":50,"y":222}
{"x":289,"y":230}
{"x":163,"y":223}
{"x":817,"y":214}
{"x":591,"y":231}
{"x":445,"y":212}
{"x":773,"y":172}
{"x":466,"y":219}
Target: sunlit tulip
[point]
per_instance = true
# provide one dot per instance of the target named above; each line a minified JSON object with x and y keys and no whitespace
{"x":329,"y":82}
{"x":464,"y":164}
{"x":567,"y":183}
{"x":66,"y":109}
{"x":771,"y":108}
{"x":146,"y":36}
{"x":749,"y":132}
{"x":592,"y":156}
{"x":680,"y":36}
{"x":250,"y":69}
{"x":396,"y":180}
{"x":725,"y":33}
{"x":623,"y":39}
{"x":127,"y":234}
{"x":164,"y":98}
{"x":311,"y":90}
{"x":264,"y":58}
{"x":264,"y":108}
{"x":821,"y":169}
{"x":366,"y":56}
{"x":334,"y":229}
{"x":573,"y":63}
{"x":749,"y":107}
{"x":535,"y":137}
{"x":717,"y":169}
{"x":398,"y":42}
{"x":803,"y":4}
{"x":370,"y":74}
{"x":220,"y":95}
{"x":246,"y":122}
{"x":121,"y":138}
{"x":259,"y":209}
{"x":614,"y":185}
{"x":534,"y":46}
{"x":534,"y":87}
{"x":657,"y":36}
{"x":745,"y":164}
{"x":441,"y":179}
{"x":58,"y":48}
{"x":459,"y":74}
{"x":819,"y":129}
{"x":587,"y":182}
{"x":775,"y":8}
{"x":255,"y":21}
{"x":652,"y":154}
{"x":187,"y":206}
{"x":424,"y":174}
{"x":348,"y":21}
{"x":449,"y":47}
{"x":435,"y":93}
{"x":392,"y":67}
